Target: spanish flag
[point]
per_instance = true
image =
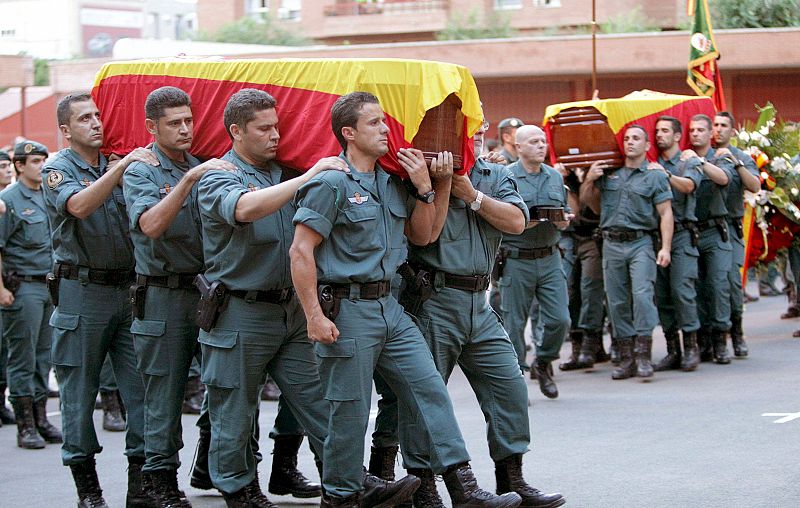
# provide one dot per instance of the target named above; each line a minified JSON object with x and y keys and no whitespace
{"x":703,"y":75}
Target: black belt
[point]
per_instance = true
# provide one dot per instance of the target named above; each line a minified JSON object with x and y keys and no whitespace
{"x":366,"y":291}
{"x":275,"y":296}
{"x":102,"y":277}
{"x":687,"y":224}
{"x":535,"y":253}
{"x":711,"y":223}
{"x":473,"y":283}
{"x":625,"y":235}
{"x":33,"y":278}
{"x":176,"y":281}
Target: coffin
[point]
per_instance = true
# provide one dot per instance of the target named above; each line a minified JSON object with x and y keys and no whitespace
{"x":582,"y":136}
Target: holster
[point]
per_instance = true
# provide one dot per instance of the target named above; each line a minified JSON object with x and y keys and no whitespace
{"x":417,"y":289}
{"x":737,"y":224}
{"x":53,"y":282}
{"x":499,"y":264}
{"x":328,"y":301}
{"x":212,"y":300}
{"x":597,"y":236}
{"x":722,"y":227}
{"x":694,"y":234}
{"x":11,"y":281}
{"x":138,"y":292}
{"x":656,"y":235}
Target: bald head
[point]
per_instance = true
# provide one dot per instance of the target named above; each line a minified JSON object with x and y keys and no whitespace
{"x":526,"y":132}
{"x":531,"y":146}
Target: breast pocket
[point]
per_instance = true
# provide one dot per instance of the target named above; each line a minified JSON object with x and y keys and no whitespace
{"x":363,"y":225}
{"x":182,"y":226}
{"x":455,"y":225}
{"x":265,"y":230}
{"x":35,"y":232}
{"x":555,"y":198}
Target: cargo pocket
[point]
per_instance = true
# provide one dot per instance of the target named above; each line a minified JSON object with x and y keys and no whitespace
{"x":339,"y":370}
{"x":222,"y":364}
{"x":67,"y":346}
{"x":152,"y":354}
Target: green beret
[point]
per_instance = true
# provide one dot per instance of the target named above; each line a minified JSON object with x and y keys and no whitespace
{"x":29,"y":147}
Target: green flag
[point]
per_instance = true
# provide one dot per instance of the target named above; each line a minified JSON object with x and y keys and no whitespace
{"x":703,"y":74}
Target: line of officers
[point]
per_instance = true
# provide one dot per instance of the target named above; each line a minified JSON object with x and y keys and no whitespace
{"x":300,"y":276}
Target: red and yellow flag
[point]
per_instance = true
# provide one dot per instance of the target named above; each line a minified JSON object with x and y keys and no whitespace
{"x":703,"y":75}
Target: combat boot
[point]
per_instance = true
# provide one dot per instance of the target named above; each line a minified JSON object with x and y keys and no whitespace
{"x":162,"y":486}
{"x":137,"y":496}
{"x":644,"y":346}
{"x":426,"y":496}
{"x":249,"y":497}
{"x":6,"y":416}
{"x":353,"y":501}
{"x":200,"y":478}
{"x":719,"y":343}
{"x":601,"y":356}
{"x":382,"y":460}
{"x":704,"y":345}
{"x":46,"y":429}
{"x":380,"y":493}
{"x":544,"y":374}
{"x":465,"y":492}
{"x":90,"y":495}
{"x":193,"y":396}
{"x":691,"y":354}
{"x":113,"y":419}
{"x":27,"y":435}
{"x":740,"y":349}
{"x":614,"y":351}
{"x":508,"y":473}
{"x":587,"y":356}
{"x":285,"y":477}
{"x":627,"y":366}
{"x":270,"y":391}
{"x":673,"y":359}
{"x":575,"y":338}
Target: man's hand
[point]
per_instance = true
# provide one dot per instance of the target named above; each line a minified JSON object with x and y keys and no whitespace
{"x":663,"y":258}
{"x":441,"y":167}
{"x":596,"y":170}
{"x":3,"y":208}
{"x":656,"y":166}
{"x":563,"y":224}
{"x":722,"y":153}
{"x":326,"y":163}
{"x":688,"y":154}
{"x":138,"y":154}
{"x":413,"y":162}
{"x":562,"y":169}
{"x":494,"y":158}
{"x":462,"y":188}
{"x":322,"y":330}
{"x":197,"y":172}
{"x":6,"y":297}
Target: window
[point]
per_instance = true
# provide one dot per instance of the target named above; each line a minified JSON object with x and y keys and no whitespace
{"x":547,"y":3}
{"x":257,"y":7}
{"x":289,"y":10}
{"x":507,"y":4}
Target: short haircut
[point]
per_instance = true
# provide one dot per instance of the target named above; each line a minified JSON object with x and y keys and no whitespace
{"x":727,"y":115}
{"x":677,"y":128}
{"x":162,"y":98}
{"x":637,"y":126}
{"x":700,"y":117}
{"x":346,"y":110}
{"x":243,"y":106}
{"x":64,"y":108}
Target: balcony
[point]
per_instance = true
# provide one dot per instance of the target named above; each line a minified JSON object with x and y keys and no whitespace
{"x":387,"y":7}
{"x":386,"y":21}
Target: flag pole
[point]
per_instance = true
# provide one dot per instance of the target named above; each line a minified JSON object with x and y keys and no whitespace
{"x":594,"y":47}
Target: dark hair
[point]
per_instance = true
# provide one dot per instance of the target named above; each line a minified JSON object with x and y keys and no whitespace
{"x":701,"y":117}
{"x":677,"y":128}
{"x":637,"y":126}
{"x":243,"y":105}
{"x":727,"y":115}
{"x":346,"y":110}
{"x":162,"y":98}
{"x":64,"y":108}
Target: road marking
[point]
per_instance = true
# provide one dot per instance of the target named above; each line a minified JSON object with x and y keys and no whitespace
{"x":785,"y":417}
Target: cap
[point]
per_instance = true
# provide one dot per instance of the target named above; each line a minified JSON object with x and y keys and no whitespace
{"x":510,"y":122}
{"x":4,"y":156}
{"x":29,"y":147}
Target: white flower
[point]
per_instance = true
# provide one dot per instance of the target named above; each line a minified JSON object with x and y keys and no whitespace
{"x":763,"y":130}
{"x":744,"y":136}
{"x":794,"y":191}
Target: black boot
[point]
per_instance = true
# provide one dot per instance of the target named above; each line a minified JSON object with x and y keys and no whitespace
{"x":6,"y":416}
{"x":137,"y":496}
{"x":113,"y":418}
{"x":740,"y":349}
{"x":601,"y":356}
{"x":270,"y":391}
{"x":614,"y":351}
{"x":285,"y":477}
{"x":380,"y":493}
{"x":193,"y":396}
{"x":544,"y":374}
{"x":162,"y":486}
{"x":353,"y":501}
{"x":575,"y":338}
{"x":691,"y":353}
{"x":718,"y":341}
{"x":587,"y":357}
{"x":200,"y":478}
{"x":426,"y":496}
{"x":508,"y":473}
{"x":249,"y":497}
{"x":27,"y":435}
{"x":382,"y":460}
{"x":673,"y":359}
{"x":465,"y":492}
{"x":644,"y":347}
{"x":704,"y":345}
{"x":627,"y":367}
{"x":90,"y":495}
{"x":46,"y":429}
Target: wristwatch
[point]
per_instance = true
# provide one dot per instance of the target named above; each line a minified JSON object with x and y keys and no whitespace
{"x":428,"y":197}
{"x":669,"y":175}
{"x":476,"y":205}
{"x":702,"y":160}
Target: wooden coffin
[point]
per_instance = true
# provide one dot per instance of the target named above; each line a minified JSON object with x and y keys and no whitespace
{"x":581,"y":136}
{"x":442,"y":130}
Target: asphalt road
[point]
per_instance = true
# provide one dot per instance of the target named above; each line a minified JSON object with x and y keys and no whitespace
{"x":682,"y":439}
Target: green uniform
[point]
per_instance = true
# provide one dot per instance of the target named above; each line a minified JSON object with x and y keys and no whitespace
{"x":587,"y":277}
{"x":27,"y":252}
{"x":629,"y":218}
{"x":361,"y":217}
{"x":543,"y":277}
{"x":735,"y":205}
{"x":261,"y":330}
{"x":715,"y":261}
{"x":93,"y":318}
{"x":459,"y":325}
{"x":165,"y":336}
{"x":676,"y":297}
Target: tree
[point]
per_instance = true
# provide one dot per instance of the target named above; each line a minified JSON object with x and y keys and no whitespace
{"x":460,"y":27}
{"x":630,"y":21}
{"x":249,"y":30}
{"x":754,"y":13}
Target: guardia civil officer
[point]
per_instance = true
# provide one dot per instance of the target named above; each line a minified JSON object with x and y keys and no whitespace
{"x":6,"y":415}
{"x":93,"y":271}
{"x":634,"y":203}
{"x":350,"y":239}
{"x":26,"y":258}
{"x":533,"y":265}
{"x":507,"y":131}
{"x":165,"y":229}
{"x":743,"y":177}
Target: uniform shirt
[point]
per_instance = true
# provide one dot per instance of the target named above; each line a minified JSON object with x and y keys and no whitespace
{"x":735,"y":199}
{"x":628,"y":197}
{"x":180,"y":248}
{"x":25,"y":232}
{"x":468,"y":242}
{"x":361,"y":218}
{"x":710,"y":196}
{"x":250,"y":256}
{"x":545,"y":188}
{"x":100,"y":241}
{"x":509,"y":158}
{"x":683,"y":205}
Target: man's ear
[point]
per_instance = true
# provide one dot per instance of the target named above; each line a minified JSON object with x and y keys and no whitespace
{"x":349,"y":133}
{"x":235,"y":131}
{"x":150,"y":125}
